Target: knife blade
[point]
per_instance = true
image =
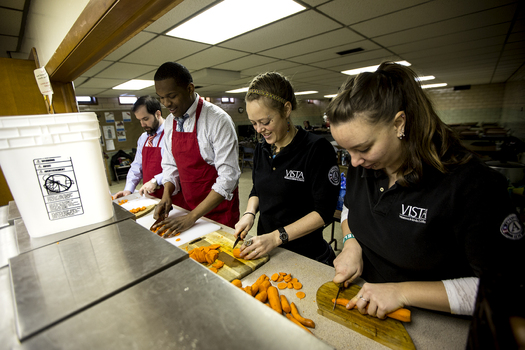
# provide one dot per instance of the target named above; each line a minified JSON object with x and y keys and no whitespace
{"x":341,"y":287}
{"x":237,"y":240}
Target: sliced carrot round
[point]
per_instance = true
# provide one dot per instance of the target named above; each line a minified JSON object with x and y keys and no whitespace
{"x":289,"y":285}
{"x":282,"y":285}
{"x":275,"y":277}
{"x":297,"y":285}
{"x":300,"y":295}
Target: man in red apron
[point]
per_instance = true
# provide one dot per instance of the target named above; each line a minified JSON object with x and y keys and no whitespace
{"x":201,"y":157}
{"x":147,"y":162}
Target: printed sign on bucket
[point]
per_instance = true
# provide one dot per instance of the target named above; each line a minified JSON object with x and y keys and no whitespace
{"x":59,"y":187}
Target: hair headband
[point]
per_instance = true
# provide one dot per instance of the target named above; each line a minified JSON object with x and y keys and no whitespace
{"x":267,"y":94}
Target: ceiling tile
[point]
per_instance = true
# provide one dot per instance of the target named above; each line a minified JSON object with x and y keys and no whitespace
{"x":429,"y":12}
{"x":290,"y":29}
{"x":102,"y":83}
{"x":11,"y":21}
{"x":97,"y":68}
{"x":486,"y":20}
{"x":211,"y":57}
{"x":163,"y":49}
{"x":360,"y":59}
{"x":14,"y":4}
{"x":246,"y":62}
{"x":130,"y":46}
{"x":269,"y":67}
{"x":335,"y":38}
{"x":125,"y":71}
{"x":323,"y":55}
{"x":361,"y":10}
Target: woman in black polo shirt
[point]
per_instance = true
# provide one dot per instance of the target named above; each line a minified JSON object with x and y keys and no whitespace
{"x":425,"y":217}
{"x":295,"y":177}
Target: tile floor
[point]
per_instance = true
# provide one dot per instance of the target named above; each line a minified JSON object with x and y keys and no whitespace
{"x":245,"y":186}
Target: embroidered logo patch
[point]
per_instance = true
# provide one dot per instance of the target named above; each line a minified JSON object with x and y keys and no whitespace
{"x":333,"y":175}
{"x":511,"y":227}
{"x":295,"y":175}
{"x":412,"y":213}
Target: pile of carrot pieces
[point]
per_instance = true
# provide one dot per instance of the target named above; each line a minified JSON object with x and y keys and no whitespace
{"x":122,"y":201}
{"x":163,"y":232}
{"x":208,"y":255}
{"x":136,"y":210}
{"x":265,"y":292}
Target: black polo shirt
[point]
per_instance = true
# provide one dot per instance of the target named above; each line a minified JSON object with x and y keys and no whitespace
{"x":451,"y":225}
{"x":302,"y":178}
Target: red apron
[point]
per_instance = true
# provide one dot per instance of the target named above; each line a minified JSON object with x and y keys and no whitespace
{"x":151,"y":164}
{"x":197,"y":177}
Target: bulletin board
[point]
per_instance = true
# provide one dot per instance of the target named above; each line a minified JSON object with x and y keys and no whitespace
{"x":120,"y":128}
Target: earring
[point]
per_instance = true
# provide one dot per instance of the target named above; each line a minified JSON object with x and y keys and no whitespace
{"x":401,"y":134}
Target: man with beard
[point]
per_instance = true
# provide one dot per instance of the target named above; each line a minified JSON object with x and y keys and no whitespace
{"x":147,"y":162}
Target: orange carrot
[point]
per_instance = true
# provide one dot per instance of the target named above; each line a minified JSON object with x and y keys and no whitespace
{"x":275,"y":277}
{"x":304,"y":321}
{"x":237,"y":283}
{"x":402,"y":314}
{"x":300,"y":295}
{"x":262,"y":296}
{"x":285,"y":304}
{"x":273,"y":299}
{"x":281,"y":285}
{"x":291,"y":318}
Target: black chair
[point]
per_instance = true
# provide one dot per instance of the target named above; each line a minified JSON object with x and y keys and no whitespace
{"x":247,"y":157}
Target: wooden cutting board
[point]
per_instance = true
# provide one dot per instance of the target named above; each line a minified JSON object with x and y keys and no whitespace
{"x":389,"y":332}
{"x":234,"y":268}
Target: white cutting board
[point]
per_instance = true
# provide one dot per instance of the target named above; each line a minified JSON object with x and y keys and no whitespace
{"x":200,"y":228}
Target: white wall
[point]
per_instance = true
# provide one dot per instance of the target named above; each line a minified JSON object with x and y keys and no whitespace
{"x":48,"y":22}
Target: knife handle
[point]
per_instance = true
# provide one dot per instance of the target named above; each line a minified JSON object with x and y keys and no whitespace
{"x":401,"y":314}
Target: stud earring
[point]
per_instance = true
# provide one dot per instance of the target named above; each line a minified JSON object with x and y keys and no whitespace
{"x":401,"y":134}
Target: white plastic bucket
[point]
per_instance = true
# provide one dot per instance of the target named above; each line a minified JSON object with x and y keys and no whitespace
{"x":54,"y":168}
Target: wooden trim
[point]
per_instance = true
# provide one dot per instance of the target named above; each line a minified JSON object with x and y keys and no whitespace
{"x":102,"y":27}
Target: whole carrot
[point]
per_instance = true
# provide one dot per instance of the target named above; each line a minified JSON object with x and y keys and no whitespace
{"x":402,"y":314}
{"x":273,"y":299}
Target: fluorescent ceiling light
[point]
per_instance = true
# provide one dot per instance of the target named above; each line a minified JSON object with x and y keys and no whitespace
{"x":330,"y":96}
{"x":428,"y":86}
{"x":127,"y":100}
{"x":233,"y":17}
{"x":370,"y":68}
{"x":134,"y":84}
{"x":83,"y":98}
{"x":425,"y":78}
{"x":306,"y":92}
{"x":236,"y":91}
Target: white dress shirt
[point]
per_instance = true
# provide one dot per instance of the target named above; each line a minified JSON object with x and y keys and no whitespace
{"x":218,"y":147}
{"x":135,"y":172}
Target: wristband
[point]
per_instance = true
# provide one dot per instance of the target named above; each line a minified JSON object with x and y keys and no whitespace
{"x":249,"y":212}
{"x":347,"y":237}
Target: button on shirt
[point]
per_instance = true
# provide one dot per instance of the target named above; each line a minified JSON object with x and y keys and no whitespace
{"x":218,"y":146}
{"x":135,"y":172}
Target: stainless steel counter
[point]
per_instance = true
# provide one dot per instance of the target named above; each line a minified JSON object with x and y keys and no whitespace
{"x":184,"y":307}
{"x":27,"y":243}
{"x":56,"y":281}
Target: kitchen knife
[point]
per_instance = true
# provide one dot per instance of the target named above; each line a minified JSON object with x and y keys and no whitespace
{"x":237,"y":240}
{"x":341,"y":287}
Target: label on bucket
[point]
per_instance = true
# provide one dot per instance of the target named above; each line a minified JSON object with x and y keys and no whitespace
{"x":59,"y":187}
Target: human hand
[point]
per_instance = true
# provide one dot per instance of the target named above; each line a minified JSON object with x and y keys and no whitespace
{"x":378,"y":299}
{"x":173,"y":225}
{"x":243,"y":226}
{"x":348,"y":265}
{"x":147,"y":188}
{"x":162,"y":210}
{"x":121,"y":194}
{"x":259,"y":246}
